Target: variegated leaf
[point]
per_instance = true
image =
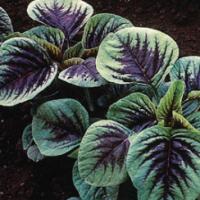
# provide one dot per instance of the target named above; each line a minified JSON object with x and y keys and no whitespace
{"x":59,"y":125}
{"x":102,"y":154}
{"x":25,"y":71}
{"x":136,"y":55}
{"x":67,"y":15}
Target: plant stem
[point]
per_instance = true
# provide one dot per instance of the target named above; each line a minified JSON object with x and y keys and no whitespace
{"x":89,"y":100}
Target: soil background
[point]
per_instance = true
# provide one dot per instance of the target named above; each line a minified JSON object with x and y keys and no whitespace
{"x":50,"y":179}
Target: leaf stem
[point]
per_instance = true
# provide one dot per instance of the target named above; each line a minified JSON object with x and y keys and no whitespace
{"x":89,"y":100}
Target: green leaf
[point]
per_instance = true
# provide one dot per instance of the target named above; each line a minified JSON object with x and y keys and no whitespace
{"x":135,"y":111}
{"x":171,"y":102}
{"x":5,"y":22}
{"x":164,"y":164}
{"x":195,"y":94}
{"x":190,"y":106}
{"x":136,"y":55}
{"x":74,"y":51}
{"x":181,"y":122}
{"x":27,"y":138}
{"x":102,"y":153}
{"x":89,"y":192}
{"x":59,"y":125}
{"x":99,"y":26}
{"x":194,"y":119}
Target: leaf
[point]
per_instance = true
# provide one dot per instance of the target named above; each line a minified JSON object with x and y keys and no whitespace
{"x":99,"y":26}
{"x":89,"y":192}
{"x":73,"y":154}
{"x":34,"y":154}
{"x":164,"y":164}
{"x":102,"y":154}
{"x":58,"y":126}
{"x":74,"y":198}
{"x":83,"y":75}
{"x":194,"y":119}
{"x":190,"y":106}
{"x":51,"y":35}
{"x":181,"y":122}
{"x":135,"y":111}
{"x":5,"y":22}
{"x":67,"y":15}
{"x":188,"y":70}
{"x":74,"y":51}
{"x":71,"y":61}
{"x":195,"y":94}
{"x":25,"y":71}
{"x":136,"y":55}
{"x":27,"y":138}
{"x":171,"y":101}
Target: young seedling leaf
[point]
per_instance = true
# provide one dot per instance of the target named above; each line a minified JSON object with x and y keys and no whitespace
{"x":51,"y":35}
{"x":89,"y":192}
{"x":5,"y":22}
{"x":34,"y":154}
{"x":188,"y":70}
{"x":83,"y":75}
{"x":136,"y":54}
{"x":182,"y":122}
{"x":67,"y":15}
{"x":25,"y":71}
{"x":27,"y":138}
{"x":99,"y":26}
{"x":58,"y":126}
{"x":164,"y":164}
{"x":172,"y":101}
{"x":102,"y":154}
{"x":194,"y":119}
{"x":135,"y":111}
{"x":74,"y":51}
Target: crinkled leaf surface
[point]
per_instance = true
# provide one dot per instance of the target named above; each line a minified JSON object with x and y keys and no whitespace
{"x":83,"y":75}
{"x":190,"y":106}
{"x":164,"y":164}
{"x":135,"y":111}
{"x":172,"y":101}
{"x":25,"y":70}
{"x":194,"y":119}
{"x":102,"y":154}
{"x":51,"y":35}
{"x":67,"y":15}
{"x":27,"y":138}
{"x":188,"y":70}
{"x":74,"y":51}
{"x":5,"y":22}
{"x":34,"y":154}
{"x":99,"y":26}
{"x":89,"y":192}
{"x":58,"y":126}
{"x":136,"y":54}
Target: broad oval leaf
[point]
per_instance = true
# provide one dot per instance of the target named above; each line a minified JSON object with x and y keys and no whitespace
{"x":136,"y":54}
{"x":188,"y":70}
{"x":164,"y":164}
{"x":172,"y":101}
{"x":25,"y":71}
{"x":89,"y":192}
{"x":51,"y":35}
{"x":58,"y":126}
{"x":5,"y":22}
{"x":34,"y":154}
{"x":83,"y":75}
{"x":135,"y":111}
{"x":102,"y":154}
{"x":67,"y":15}
{"x":27,"y":138}
{"x":99,"y":26}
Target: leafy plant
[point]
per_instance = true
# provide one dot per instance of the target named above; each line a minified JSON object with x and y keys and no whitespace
{"x":147,"y":98}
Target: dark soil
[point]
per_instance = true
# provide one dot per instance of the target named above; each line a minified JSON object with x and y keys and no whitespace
{"x":21,"y":179}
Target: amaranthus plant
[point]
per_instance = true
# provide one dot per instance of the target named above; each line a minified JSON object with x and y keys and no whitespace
{"x":149,"y":129}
